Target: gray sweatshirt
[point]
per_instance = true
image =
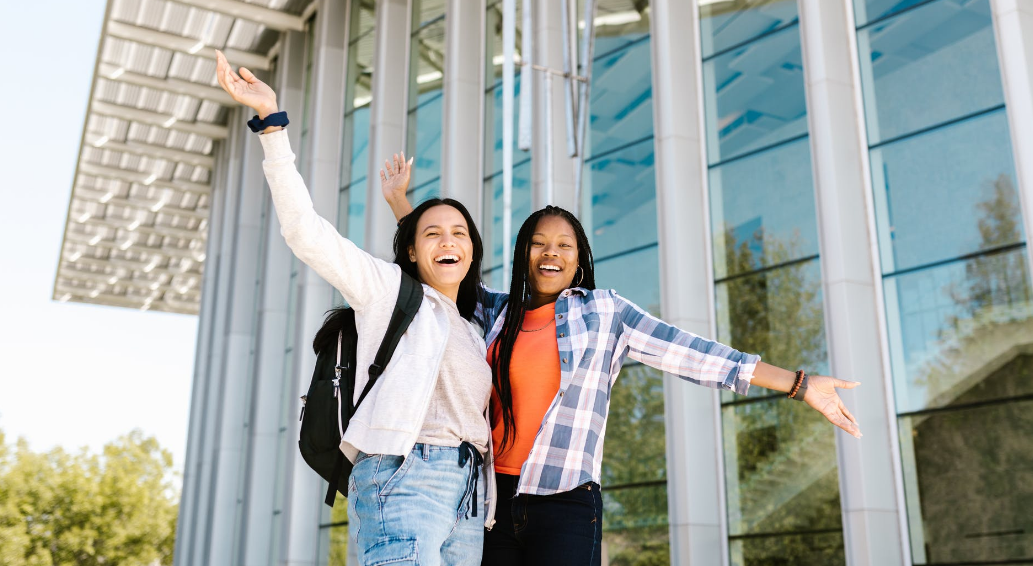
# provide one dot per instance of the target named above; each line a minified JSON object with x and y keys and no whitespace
{"x":390,"y":419}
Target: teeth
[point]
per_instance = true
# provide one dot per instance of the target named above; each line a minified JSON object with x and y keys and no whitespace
{"x":549,"y":268}
{"x":446,"y":258}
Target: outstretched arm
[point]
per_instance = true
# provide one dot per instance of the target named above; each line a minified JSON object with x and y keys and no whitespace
{"x":668,"y":348}
{"x":394,"y":181}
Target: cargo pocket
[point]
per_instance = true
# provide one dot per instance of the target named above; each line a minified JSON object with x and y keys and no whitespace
{"x":392,"y":550}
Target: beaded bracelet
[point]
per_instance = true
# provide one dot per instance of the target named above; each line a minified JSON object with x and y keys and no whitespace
{"x":798,"y":385}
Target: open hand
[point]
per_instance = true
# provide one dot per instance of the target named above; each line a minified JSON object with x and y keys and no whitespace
{"x":822,"y":396}
{"x":245,"y":88}
{"x":394,"y":177}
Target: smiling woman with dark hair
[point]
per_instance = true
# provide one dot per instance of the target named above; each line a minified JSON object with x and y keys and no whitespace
{"x":420,"y":437}
{"x":556,"y":345}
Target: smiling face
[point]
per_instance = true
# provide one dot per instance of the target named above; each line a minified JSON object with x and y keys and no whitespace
{"x":443,"y":249}
{"x":553,"y":260}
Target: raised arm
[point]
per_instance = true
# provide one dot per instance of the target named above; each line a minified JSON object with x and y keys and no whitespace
{"x":394,"y":181}
{"x":360,"y":277}
{"x":673,"y":350}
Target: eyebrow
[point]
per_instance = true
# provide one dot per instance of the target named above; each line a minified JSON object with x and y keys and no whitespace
{"x":463,"y":226}
{"x":561,"y":235}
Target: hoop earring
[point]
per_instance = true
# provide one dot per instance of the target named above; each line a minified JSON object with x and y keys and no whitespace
{"x":582,"y":278}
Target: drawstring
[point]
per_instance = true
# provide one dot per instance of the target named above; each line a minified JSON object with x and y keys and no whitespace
{"x":466,"y":451}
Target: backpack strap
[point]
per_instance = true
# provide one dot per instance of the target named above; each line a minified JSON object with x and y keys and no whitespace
{"x":410,"y":296}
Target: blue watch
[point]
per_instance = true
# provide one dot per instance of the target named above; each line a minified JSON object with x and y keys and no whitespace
{"x":274,"y":119}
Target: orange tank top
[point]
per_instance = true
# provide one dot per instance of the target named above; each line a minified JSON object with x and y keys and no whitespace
{"x":534,"y":379}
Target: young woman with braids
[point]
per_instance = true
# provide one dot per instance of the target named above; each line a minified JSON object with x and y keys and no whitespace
{"x":556,"y":344}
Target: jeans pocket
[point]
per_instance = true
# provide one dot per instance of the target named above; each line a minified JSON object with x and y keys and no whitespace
{"x":392,"y":550}
{"x":360,"y":456}
{"x":396,"y":466}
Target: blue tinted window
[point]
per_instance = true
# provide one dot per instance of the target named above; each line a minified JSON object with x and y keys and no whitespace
{"x":425,"y":138}
{"x":426,"y":63}
{"x":946,"y":323}
{"x":359,"y":144}
{"x":930,"y":65}
{"x":622,"y":103}
{"x":870,"y":10}
{"x":762,"y":210}
{"x":636,"y":276}
{"x":623,"y":188}
{"x":946,"y":193}
{"x":753,"y":96}
{"x":425,"y":191}
{"x":726,"y":24}
{"x":521,"y":208}
{"x":493,"y":128}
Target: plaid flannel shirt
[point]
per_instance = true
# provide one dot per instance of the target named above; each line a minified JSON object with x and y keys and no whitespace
{"x":595,"y":330}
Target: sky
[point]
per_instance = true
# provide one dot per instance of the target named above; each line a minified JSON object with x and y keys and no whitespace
{"x":71,"y":375}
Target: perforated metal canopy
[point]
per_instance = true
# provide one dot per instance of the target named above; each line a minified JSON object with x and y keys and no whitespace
{"x":137,"y":221}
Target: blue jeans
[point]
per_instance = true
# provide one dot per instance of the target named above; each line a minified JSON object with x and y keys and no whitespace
{"x":564,"y":529}
{"x":417,"y":510}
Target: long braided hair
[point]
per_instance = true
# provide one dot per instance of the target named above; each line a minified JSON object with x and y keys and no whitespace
{"x":519,"y":300}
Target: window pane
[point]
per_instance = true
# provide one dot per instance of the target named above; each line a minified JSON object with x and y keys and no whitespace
{"x":365,"y":20}
{"x":968,"y":479}
{"x":351,"y":212}
{"x":334,"y":534}
{"x":426,"y":12}
{"x":636,"y":276}
{"x":778,"y":314}
{"x":493,"y":129}
{"x":762,"y":210}
{"x":617,"y":23}
{"x":928,"y":66}
{"x":426,"y":65}
{"x":427,"y":62}
{"x":635,"y":450}
{"x":635,"y":512}
{"x":493,"y":25}
{"x":780,"y":468}
{"x":725,"y":24}
{"x":424,"y":192}
{"x":870,"y":10}
{"x":622,"y":186}
{"x":647,"y":546}
{"x":753,"y":96}
{"x":425,"y":138}
{"x":820,"y":549}
{"x":492,"y":225}
{"x":357,"y":144}
{"x":621,"y":104}
{"x":360,"y":56}
{"x":946,"y":193}
{"x":338,"y":546}
{"x":950,"y":324}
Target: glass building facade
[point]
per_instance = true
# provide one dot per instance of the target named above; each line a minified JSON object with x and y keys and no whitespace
{"x":781,"y":474}
{"x":733,"y":166}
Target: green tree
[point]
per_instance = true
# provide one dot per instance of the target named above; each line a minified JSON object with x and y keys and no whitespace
{"x":114,"y":508}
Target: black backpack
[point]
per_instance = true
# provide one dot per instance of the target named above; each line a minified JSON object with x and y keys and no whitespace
{"x":327,"y":408}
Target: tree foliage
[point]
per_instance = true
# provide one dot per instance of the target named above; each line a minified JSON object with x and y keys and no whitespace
{"x":114,"y":508}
